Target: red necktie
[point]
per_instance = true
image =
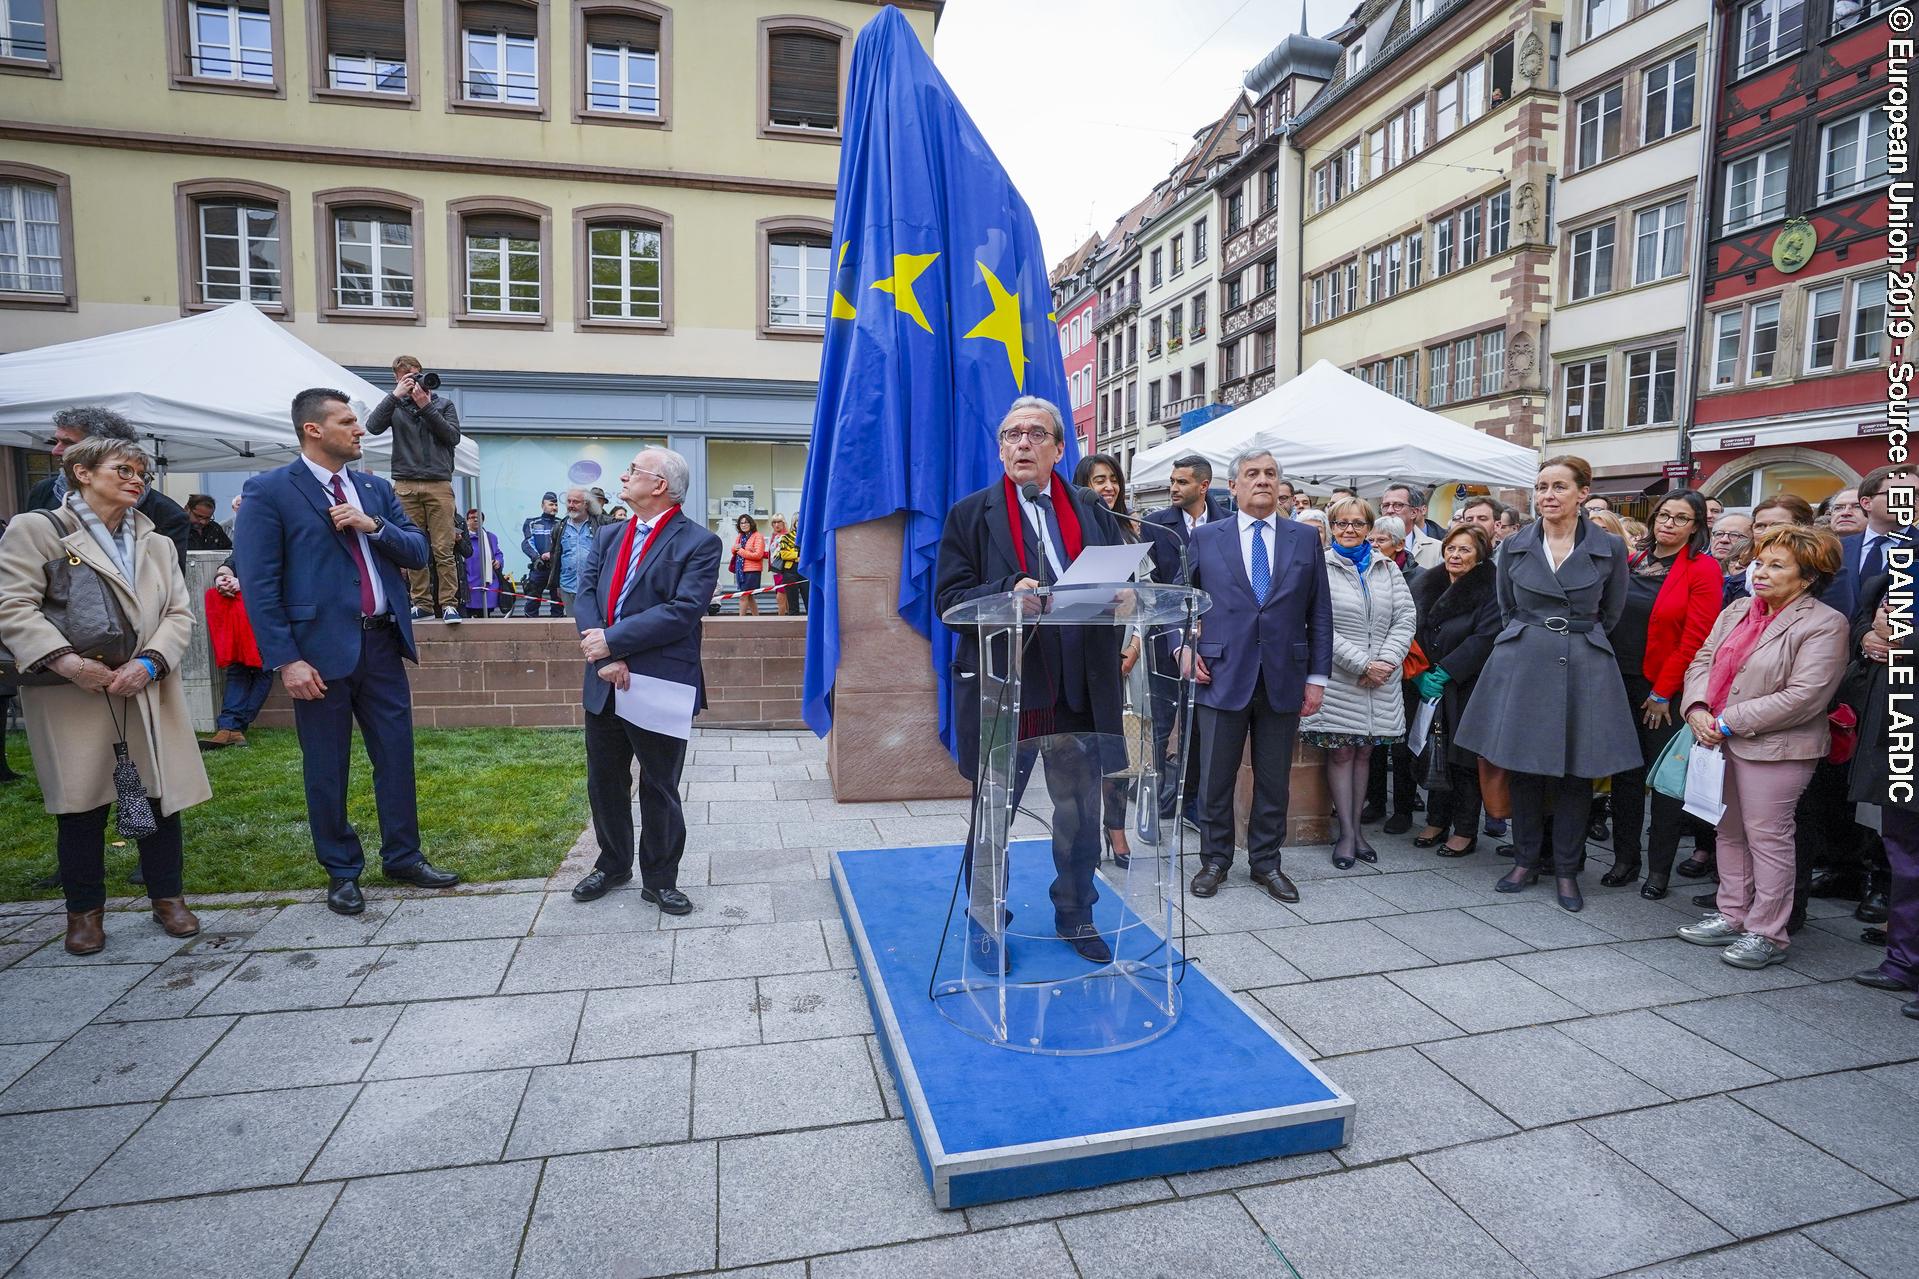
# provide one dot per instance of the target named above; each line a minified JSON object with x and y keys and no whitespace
{"x":359,"y":556}
{"x":620,"y":566}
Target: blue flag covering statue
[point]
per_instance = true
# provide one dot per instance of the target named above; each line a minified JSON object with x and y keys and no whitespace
{"x":939,"y":320}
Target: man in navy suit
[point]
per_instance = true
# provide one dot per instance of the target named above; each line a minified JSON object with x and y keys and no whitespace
{"x":319,"y":549}
{"x":642,"y":601}
{"x":1193,"y":506}
{"x":1265,"y":652}
{"x":1864,"y":553}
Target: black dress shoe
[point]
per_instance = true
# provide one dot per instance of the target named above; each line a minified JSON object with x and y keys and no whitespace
{"x":1367,"y":855}
{"x":1622,"y":873}
{"x":1086,"y":940}
{"x":1707,"y":900}
{"x":1874,"y":908}
{"x":1568,"y":893}
{"x":421,"y":874}
{"x":1277,"y":886}
{"x":1834,"y":883}
{"x":1911,"y":1010}
{"x":1873,"y":936}
{"x":343,"y":897}
{"x":1427,"y":841}
{"x":1506,"y":850}
{"x":1398,"y":824}
{"x":1654,"y":888}
{"x":670,"y":900}
{"x":1208,"y":880}
{"x":1518,"y":879}
{"x":1447,"y":850}
{"x":1695,"y":867}
{"x":1878,"y":980}
{"x":1371,"y":812}
{"x":598,"y":884}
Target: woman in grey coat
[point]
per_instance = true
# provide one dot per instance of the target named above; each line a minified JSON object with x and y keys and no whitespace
{"x":1373,"y":622}
{"x":1550,"y":706}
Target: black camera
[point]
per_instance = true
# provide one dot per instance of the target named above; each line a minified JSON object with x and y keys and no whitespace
{"x":427,"y":379}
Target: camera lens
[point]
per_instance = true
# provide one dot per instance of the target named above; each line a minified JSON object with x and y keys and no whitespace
{"x":429,"y":380}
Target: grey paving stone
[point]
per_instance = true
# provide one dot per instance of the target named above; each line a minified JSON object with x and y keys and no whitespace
{"x":11,"y":954}
{"x":1354,"y":1014}
{"x":1537,"y":1076}
{"x":774,"y":1087}
{"x":1782,"y":1182}
{"x":863,"y":1189}
{"x":313,"y":926}
{"x":260,"y":1233}
{"x":132,"y":938}
{"x":460,"y":1223}
{"x":759,"y":865}
{"x":1880,"y":1245}
{"x":47,"y":1154}
{"x":1452,"y":936}
{"x":663,"y":1222}
{"x":888,"y":1092}
{"x":1680,"y":959}
{"x":201,"y":1145}
{"x":117,"y":1062}
{"x":1483,"y":996}
{"x":902,"y":832}
{"x":716,"y":839}
{"x":621,"y":911}
{"x":1428,"y":890}
{"x":282,"y":980}
{"x":51,"y":1003}
{"x":713,"y":954}
{"x":1341,"y":950}
{"x":1241,"y":961}
{"x":1792,"y":1255}
{"x":1022,"y":1250}
{"x":1239,"y":909}
{"x":1824,"y":957}
{"x":839,"y":834}
{"x":603,"y":1105}
{"x":1318,"y":1225}
{"x":479,"y":1034}
{"x":1769,"y":1040}
{"x":1669,"y":1057}
{"x":1262,"y":1172}
{"x":1602,"y":980}
{"x":436,"y":970}
{"x":175,"y":988}
{"x":804,"y":899}
{"x":1406,"y":1105}
{"x":1630,"y":917}
{"x":460,"y":918}
{"x":724,"y":906}
{"x":1201,"y":1238}
{"x":1566,"y":1224}
{"x":1905,"y":1078}
{"x":589,"y":962}
{"x":813,"y":1006}
{"x":1067,"y":1203}
{"x":1331,"y":900}
{"x":839,"y":946}
{"x":291,"y":1050}
{"x":16,"y":1060}
{"x":1540,"y":924}
{"x":406,"y":1125}
{"x":1863,"y":1121}
{"x":668,"y":1019}
{"x":16,"y":1237}
{"x":1868,"y":1018}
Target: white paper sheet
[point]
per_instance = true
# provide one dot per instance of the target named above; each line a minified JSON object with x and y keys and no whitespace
{"x":1706,"y":783}
{"x":662,"y":705}
{"x":1422,"y":725}
{"x":1115,"y":563}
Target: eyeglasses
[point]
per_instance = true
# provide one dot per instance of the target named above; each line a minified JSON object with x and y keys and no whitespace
{"x":1678,"y":520}
{"x":1728,"y":535}
{"x":640,"y":470}
{"x":127,"y":473}
{"x":1033,"y":434}
{"x":1351,"y":524}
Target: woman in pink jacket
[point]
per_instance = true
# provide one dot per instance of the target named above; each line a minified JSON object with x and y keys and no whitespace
{"x":1758,"y":689}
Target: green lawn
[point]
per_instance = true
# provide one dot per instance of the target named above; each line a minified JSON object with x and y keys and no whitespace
{"x":495,"y":803}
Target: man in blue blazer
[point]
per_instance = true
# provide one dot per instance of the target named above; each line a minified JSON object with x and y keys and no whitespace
{"x":1265,"y":653}
{"x":319,"y":549}
{"x":1864,"y":552}
{"x":1193,"y":506}
{"x":640,"y":608}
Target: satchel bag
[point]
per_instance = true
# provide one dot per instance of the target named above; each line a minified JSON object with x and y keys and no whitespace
{"x":1416,"y":663}
{"x":1843,"y":722}
{"x":1668,"y":773}
{"x":1438,"y":777}
{"x":1495,"y":790}
{"x":84,"y":609}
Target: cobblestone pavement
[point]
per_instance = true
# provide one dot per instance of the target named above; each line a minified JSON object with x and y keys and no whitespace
{"x":502,"y":1082}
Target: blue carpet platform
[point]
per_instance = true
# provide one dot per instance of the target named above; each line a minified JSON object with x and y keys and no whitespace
{"x":990,"y":1124}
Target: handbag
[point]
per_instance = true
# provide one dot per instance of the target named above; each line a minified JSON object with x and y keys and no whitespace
{"x":1438,"y":776}
{"x":86,"y":612}
{"x":1843,"y":722}
{"x":1495,"y":790}
{"x":1668,"y":772}
{"x":1416,"y":663}
{"x":133,"y":810}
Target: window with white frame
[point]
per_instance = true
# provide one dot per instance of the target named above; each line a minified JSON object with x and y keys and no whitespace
{"x":502,"y":265}
{"x":1318,"y":306}
{"x":1354,"y":177}
{"x":1825,"y":314}
{"x":1440,"y":386}
{"x":1868,"y":321}
{"x":1598,"y":120}
{"x":1469,"y":228}
{"x":1667,"y":96}
{"x":1768,"y":30}
{"x":797,"y":272}
{"x":30,"y":260}
{"x":1199,"y":241}
{"x":1659,"y":236}
{"x":373,"y":259}
{"x":1603,"y":15}
{"x":1352,"y":285}
{"x":1445,"y":109}
{"x":1376,"y":153}
{"x":1443,"y":246}
{"x":1852,"y":154}
{"x":1375,"y":275}
{"x":622,"y":77}
{"x":1492,"y":362}
{"x":1395,"y":142}
{"x":1725,"y":347}
{"x":365,"y":73}
{"x":1472,"y":93}
{"x":1179,"y":254}
{"x":1499,"y":222}
{"x":1415,"y":258}
{"x":1850,"y":13}
{"x":1585,"y":411}
{"x":1652,"y":378}
{"x":1401,"y":387}
{"x":1465,"y":368}
{"x":1762,"y":341}
{"x":1756,"y":188}
{"x":623,"y":271}
{"x":1592,"y":264}
{"x":1416,"y":127}
{"x":1356,"y":59}
{"x":230,"y":42}
{"x":239,"y":252}
{"x":1199,"y":315}
{"x":1423,"y":9}
{"x":501,"y":66}
{"x":1395,"y":266}
{"x":365,"y":45}
{"x":23,"y":30}
{"x":1319,"y":187}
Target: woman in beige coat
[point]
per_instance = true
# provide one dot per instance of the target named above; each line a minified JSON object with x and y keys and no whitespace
{"x":1759,"y":690}
{"x":70,"y":726}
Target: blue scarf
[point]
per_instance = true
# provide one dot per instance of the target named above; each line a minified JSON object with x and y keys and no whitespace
{"x":1358,"y":556}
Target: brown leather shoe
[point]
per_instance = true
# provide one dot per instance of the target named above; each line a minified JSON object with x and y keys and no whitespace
{"x":219,"y":741}
{"x":171,"y":914}
{"x":239,"y":738}
{"x":1277,"y":885}
{"x":1207,"y":882}
{"x":86,"y":931}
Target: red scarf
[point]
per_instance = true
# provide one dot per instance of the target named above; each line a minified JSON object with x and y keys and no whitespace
{"x":622,"y":566}
{"x":1062,"y":508}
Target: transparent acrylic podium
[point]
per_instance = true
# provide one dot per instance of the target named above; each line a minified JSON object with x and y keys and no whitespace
{"x":1041,"y":806}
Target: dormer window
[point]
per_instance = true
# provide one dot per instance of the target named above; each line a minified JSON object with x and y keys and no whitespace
{"x":1355,"y":59}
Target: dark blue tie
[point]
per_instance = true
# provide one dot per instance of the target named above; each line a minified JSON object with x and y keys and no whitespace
{"x":1262,"y":566}
{"x":1050,"y":518}
{"x":1873,"y":562}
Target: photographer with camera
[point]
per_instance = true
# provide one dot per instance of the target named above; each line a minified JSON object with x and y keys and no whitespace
{"x":425,"y":427}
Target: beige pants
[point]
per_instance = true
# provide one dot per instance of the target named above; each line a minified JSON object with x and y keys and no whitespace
{"x":429,"y":504}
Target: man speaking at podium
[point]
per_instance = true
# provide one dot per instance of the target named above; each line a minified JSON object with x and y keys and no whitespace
{"x":1017,"y":534}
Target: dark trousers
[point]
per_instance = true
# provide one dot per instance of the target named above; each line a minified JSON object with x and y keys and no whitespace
{"x":1174,"y":784}
{"x":1825,"y":835}
{"x":1222,"y":742}
{"x":536,"y":587}
{"x":612,"y":745}
{"x":1457,"y":806}
{"x":1566,"y":801}
{"x":1630,"y":795}
{"x":1398,"y":761}
{"x":1899,"y":831}
{"x":83,"y":858}
{"x":246,"y":692}
{"x":795,"y":589}
{"x":377,"y":697}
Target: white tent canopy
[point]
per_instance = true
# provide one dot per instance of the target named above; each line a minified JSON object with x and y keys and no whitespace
{"x":1327,"y":427}
{"x":213,"y":389}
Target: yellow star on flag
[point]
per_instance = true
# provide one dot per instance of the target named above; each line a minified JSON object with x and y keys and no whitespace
{"x":842,"y":309}
{"x":907,"y":267}
{"x":1002,"y":325}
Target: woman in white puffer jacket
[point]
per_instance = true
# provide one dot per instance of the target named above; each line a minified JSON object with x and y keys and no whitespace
{"x":1373,"y":624}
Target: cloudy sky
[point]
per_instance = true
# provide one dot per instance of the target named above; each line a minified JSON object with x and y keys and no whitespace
{"x":1089,"y":102}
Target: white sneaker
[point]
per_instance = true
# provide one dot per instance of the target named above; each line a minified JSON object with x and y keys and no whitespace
{"x":1753,"y":951}
{"x":1713,"y":930}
